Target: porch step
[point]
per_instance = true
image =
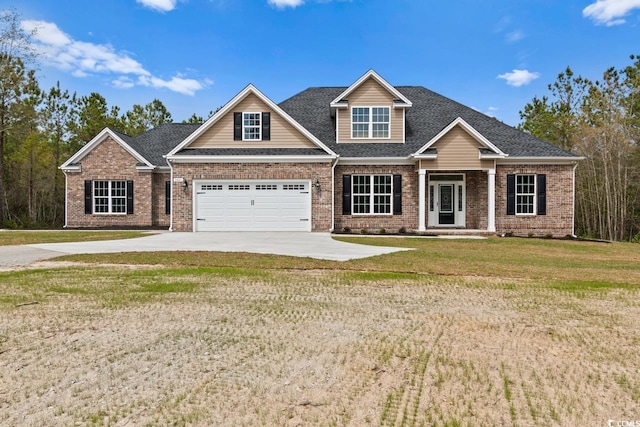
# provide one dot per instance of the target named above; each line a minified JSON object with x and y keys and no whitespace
{"x":454,"y":232}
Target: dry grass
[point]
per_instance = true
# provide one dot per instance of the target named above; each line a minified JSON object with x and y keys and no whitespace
{"x":455,"y":333}
{"x":14,"y":237}
{"x":369,"y":342}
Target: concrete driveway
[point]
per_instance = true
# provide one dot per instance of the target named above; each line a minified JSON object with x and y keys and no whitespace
{"x":314,"y":245}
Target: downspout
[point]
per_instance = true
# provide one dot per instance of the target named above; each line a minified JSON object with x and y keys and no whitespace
{"x":171,"y":196}
{"x":333,"y":194}
{"x":66,"y":199}
{"x":573,"y":210}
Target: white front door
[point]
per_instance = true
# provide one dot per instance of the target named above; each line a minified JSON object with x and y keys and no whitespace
{"x":263,"y":205}
{"x":446,"y":200}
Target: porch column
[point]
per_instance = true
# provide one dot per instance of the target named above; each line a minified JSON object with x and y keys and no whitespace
{"x":422,"y":199}
{"x":491,"y":200}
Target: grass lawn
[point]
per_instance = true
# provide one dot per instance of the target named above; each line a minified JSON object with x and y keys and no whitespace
{"x":489,"y":332}
{"x":20,"y":237}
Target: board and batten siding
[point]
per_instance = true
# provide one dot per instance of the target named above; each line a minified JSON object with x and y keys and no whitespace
{"x":371,"y":94}
{"x":457,"y":150}
{"x":283,"y":134}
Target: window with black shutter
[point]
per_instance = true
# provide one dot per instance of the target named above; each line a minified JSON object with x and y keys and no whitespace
{"x":346,"y":194}
{"x":167,"y":197}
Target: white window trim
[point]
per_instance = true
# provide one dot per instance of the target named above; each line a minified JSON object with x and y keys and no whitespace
{"x":535,"y":194}
{"x":370,"y":122}
{"x":109,"y":197}
{"x":371,"y":195}
{"x":259,"y":126}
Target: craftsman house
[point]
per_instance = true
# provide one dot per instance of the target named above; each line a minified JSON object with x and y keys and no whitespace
{"x":368,"y":156}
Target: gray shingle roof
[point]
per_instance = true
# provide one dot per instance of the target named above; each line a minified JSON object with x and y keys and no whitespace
{"x":430,"y":114}
{"x":156,"y":142}
{"x":253,"y":152}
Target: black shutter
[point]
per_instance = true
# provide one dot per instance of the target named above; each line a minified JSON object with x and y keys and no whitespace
{"x":397,"y":194}
{"x":88,"y":197}
{"x":237,"y":126}
{"x":129,"y":197}
{"x":542,"y":194}
{"x":167,"y":197}
{"x":511,"y":194}
{"x":266,"y":126}
{"x":346,"y":194}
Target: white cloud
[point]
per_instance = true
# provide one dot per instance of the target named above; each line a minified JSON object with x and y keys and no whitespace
{"x":281,"y":4}
{"x":515,"y":36}
{"x":123,"y":82}
{"x":610,"y":12}
{"x":519,"y":78}
{"x":83,"y":59}
{"x":176,"y":84}
{"x":159,"y":5}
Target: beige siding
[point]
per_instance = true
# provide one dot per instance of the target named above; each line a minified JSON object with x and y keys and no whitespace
{"x":457,"y":150}
{"x":371,"y":94}
{"x":283,"y":134}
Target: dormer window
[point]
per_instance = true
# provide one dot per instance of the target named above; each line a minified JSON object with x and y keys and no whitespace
{"x":370,"y":122}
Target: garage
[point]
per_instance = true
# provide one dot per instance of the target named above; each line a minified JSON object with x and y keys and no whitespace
{"x":262,"y":205}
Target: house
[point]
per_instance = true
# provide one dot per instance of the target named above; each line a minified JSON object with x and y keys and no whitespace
{"x":368,"y":156}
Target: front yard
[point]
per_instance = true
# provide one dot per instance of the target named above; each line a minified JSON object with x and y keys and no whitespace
{"x":455,"y":333}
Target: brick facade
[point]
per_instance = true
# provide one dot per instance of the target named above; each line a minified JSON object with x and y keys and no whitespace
{"x":558,"y":220}
{"x":109,"y":161}
{"x":373,"y":223}
{"x":320,"y":199}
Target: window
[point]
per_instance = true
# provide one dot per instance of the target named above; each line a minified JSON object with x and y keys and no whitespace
{"x":251,"y":126}
{"x":372,"y":194}
{"x":267,"y":187}
{"x":110,"y":197}
{"x":525,"y":194}
{"x":297,"y":187}
{"x":211,"y":187}
{"x":370,"y":122}
{"x":239,"y":187}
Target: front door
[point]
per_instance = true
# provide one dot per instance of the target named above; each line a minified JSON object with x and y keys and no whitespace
{"x":446,"y":204}
{"x":446,"y":196}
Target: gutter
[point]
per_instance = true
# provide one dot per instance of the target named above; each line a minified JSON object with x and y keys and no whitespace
{"x":573,"y":210}
{"x":66,"y":200}
{"x":171,"y":199}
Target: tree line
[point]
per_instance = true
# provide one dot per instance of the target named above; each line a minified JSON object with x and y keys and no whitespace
{"x":600,"y":121}
{"x":40,"y":129}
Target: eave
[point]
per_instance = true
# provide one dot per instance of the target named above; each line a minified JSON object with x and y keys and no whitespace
{"x":250,"y":159}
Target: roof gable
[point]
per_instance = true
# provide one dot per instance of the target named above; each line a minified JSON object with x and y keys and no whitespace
{"x":248,"y":91}
{"x":484,"y":142}
{"x":123,"y":140}
{"x":339,"y":101}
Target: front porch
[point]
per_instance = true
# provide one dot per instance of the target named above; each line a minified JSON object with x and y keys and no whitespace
{"x":456,"y":202}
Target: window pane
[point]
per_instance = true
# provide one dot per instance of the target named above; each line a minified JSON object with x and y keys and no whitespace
{"x":380,"y":115}
{"x":360,"y":130}
{"x":360,"y":115}
{"x":382,"y":204}
{"x":380,"y":130}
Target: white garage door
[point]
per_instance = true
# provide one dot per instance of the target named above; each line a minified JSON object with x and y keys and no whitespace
{"x":252,"y":205}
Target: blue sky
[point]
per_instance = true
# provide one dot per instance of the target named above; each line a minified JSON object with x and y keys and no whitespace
{"x":194,"y":55}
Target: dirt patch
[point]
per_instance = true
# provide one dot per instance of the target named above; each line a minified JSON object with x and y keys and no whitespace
{"x":325,"y":348}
